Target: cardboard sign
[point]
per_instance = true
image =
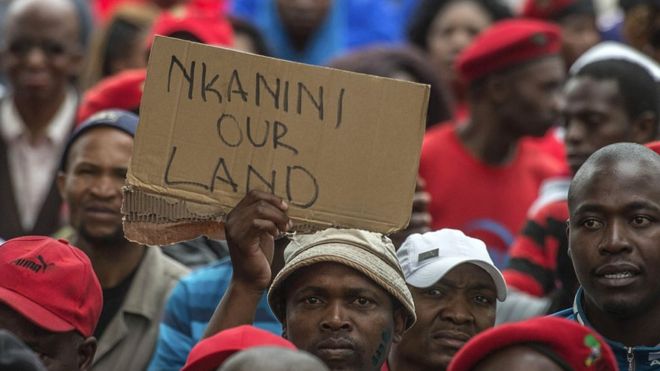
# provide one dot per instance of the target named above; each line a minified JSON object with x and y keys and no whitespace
{"x":341,"y":148}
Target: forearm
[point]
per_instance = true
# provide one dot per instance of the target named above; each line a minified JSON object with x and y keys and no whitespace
{"x":237,"y":307}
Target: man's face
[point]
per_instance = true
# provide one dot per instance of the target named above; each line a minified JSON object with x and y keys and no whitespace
{"x":303,"y":16}
{"x":579,"y":34}
{"x":594,"y":117}
{"x":42,"y":52}
{"x":534,"y":100}
{"x":613,"y":239}
{"x":452,"y":30}
{"x":96,"y":170}
{"x":341,"y":316}
{"x":449,"y":313}
{"x":57,"y":351}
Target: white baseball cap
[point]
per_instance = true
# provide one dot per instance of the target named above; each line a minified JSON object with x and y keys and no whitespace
{"x":426,"y":258}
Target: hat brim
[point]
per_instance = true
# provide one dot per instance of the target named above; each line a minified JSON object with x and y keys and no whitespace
{"x":34,"y":312}
{"x":382,"y":274}
{"x":433,"y":272}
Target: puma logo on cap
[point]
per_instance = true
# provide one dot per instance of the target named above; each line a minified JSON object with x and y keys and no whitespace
{"x":37,"y":267}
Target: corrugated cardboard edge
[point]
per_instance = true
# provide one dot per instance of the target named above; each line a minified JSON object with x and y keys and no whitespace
{"x":154,"y":219}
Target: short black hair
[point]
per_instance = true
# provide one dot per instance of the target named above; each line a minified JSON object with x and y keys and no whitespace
{"x":636,"y":84}
{"x":427,"y":10}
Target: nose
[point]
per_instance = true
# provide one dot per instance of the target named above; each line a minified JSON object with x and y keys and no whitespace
{"x":575,"y":131}
{"x":457,"y":310}
{"x":336,"y":319}
{"x":36,"y":57}
{"x":615,"y":239}
{"x":105,"y":187}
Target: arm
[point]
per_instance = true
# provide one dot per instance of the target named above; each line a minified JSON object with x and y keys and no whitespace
{"x":251,"y":228}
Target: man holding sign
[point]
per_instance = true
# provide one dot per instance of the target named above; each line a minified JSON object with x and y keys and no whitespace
{"x":341,"y":294}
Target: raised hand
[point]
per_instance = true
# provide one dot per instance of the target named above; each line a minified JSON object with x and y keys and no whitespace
{"x":251,"y":228}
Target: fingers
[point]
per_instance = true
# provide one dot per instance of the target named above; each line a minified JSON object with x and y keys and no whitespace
{"x":258,"y":213}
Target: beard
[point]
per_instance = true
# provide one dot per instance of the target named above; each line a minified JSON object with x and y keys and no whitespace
{"x":107,"y":240}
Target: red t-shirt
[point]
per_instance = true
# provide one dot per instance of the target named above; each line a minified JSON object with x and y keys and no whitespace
{"x":484,"y":201}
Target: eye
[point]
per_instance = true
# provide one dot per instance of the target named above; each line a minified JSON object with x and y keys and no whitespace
{"x":483,"y":300}
{"x":362,"y":301}
{"x":592,"y":223}
{"x":20,"y":48}
{"x":641,"y":221}
{"x":312,"y":300}
{"x":53,"y":48}
{"x":435,"y":292}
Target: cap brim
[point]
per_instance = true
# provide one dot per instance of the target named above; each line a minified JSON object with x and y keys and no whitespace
{"x":34,"y":312}
{"x":382,"y":274}
{"x":433,"y":272}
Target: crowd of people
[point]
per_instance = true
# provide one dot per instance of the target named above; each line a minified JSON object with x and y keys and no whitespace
{"x":534,"y":233}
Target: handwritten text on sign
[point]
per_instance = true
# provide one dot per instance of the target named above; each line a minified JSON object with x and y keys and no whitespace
{"x":342,"y":148}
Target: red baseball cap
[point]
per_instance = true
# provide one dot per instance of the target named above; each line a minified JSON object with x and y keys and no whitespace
{"x":120,"y":91}
{"x":51,"y":283}
{"x":556,"y":9}
{"x":655,"y":146}
{"x":209,"y":28}
{"x":210,"y":353}
{"x":578,"y":346}
{"x":508,"y":43}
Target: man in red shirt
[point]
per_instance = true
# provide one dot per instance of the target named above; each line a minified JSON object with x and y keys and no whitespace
{"x":481,"y":177}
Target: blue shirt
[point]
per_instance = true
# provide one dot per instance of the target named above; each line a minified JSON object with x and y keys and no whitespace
{"x":189,"y":309}
{"x":349,"y":24}
{"x":629,"y":358}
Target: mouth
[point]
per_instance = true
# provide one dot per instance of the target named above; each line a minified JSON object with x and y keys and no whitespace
{"x":451,"y":339}
{"x":335,"y":348}
{"x":617,"y":275}
{"x":101,"y":211}
{"x":575,"y":159}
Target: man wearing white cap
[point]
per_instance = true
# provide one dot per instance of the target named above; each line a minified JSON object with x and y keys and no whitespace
{"x":455,"y":286}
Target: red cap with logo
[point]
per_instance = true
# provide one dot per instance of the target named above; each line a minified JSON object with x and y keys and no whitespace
{"x":210,"y":353}
{"x":566,"y":342}
{"x":51,"y":283}
{"x":506,"y":44}
{"x":120,"y":91}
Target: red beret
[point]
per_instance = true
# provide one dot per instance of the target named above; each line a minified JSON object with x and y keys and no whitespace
{"x":508,"y":43}
{"x":210,"y":28}
{"x":655,"y":146}
{"x":123,"y":91}
{"x":578,"y":346}
{"x":556,"y":9}
{"x":211,"y":352}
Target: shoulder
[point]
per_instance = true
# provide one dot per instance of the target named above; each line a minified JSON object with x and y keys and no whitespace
{"x":566,"y":313}
{"x":439,"y":134}
{"x":438,"y":144}
{"x":169,"y":268}
{"x":553,"y":195}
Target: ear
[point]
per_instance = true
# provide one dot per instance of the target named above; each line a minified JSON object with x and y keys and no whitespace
{"x":644,"y":128}
{"x":284,"y":334}
{"x":568,"y":231}
{"x":399,"y":325}
{"x":86,"y":352}
{"x":61,"y":181}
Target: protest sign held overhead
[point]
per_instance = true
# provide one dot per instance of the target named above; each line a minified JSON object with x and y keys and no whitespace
{"x":341,"y":148}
